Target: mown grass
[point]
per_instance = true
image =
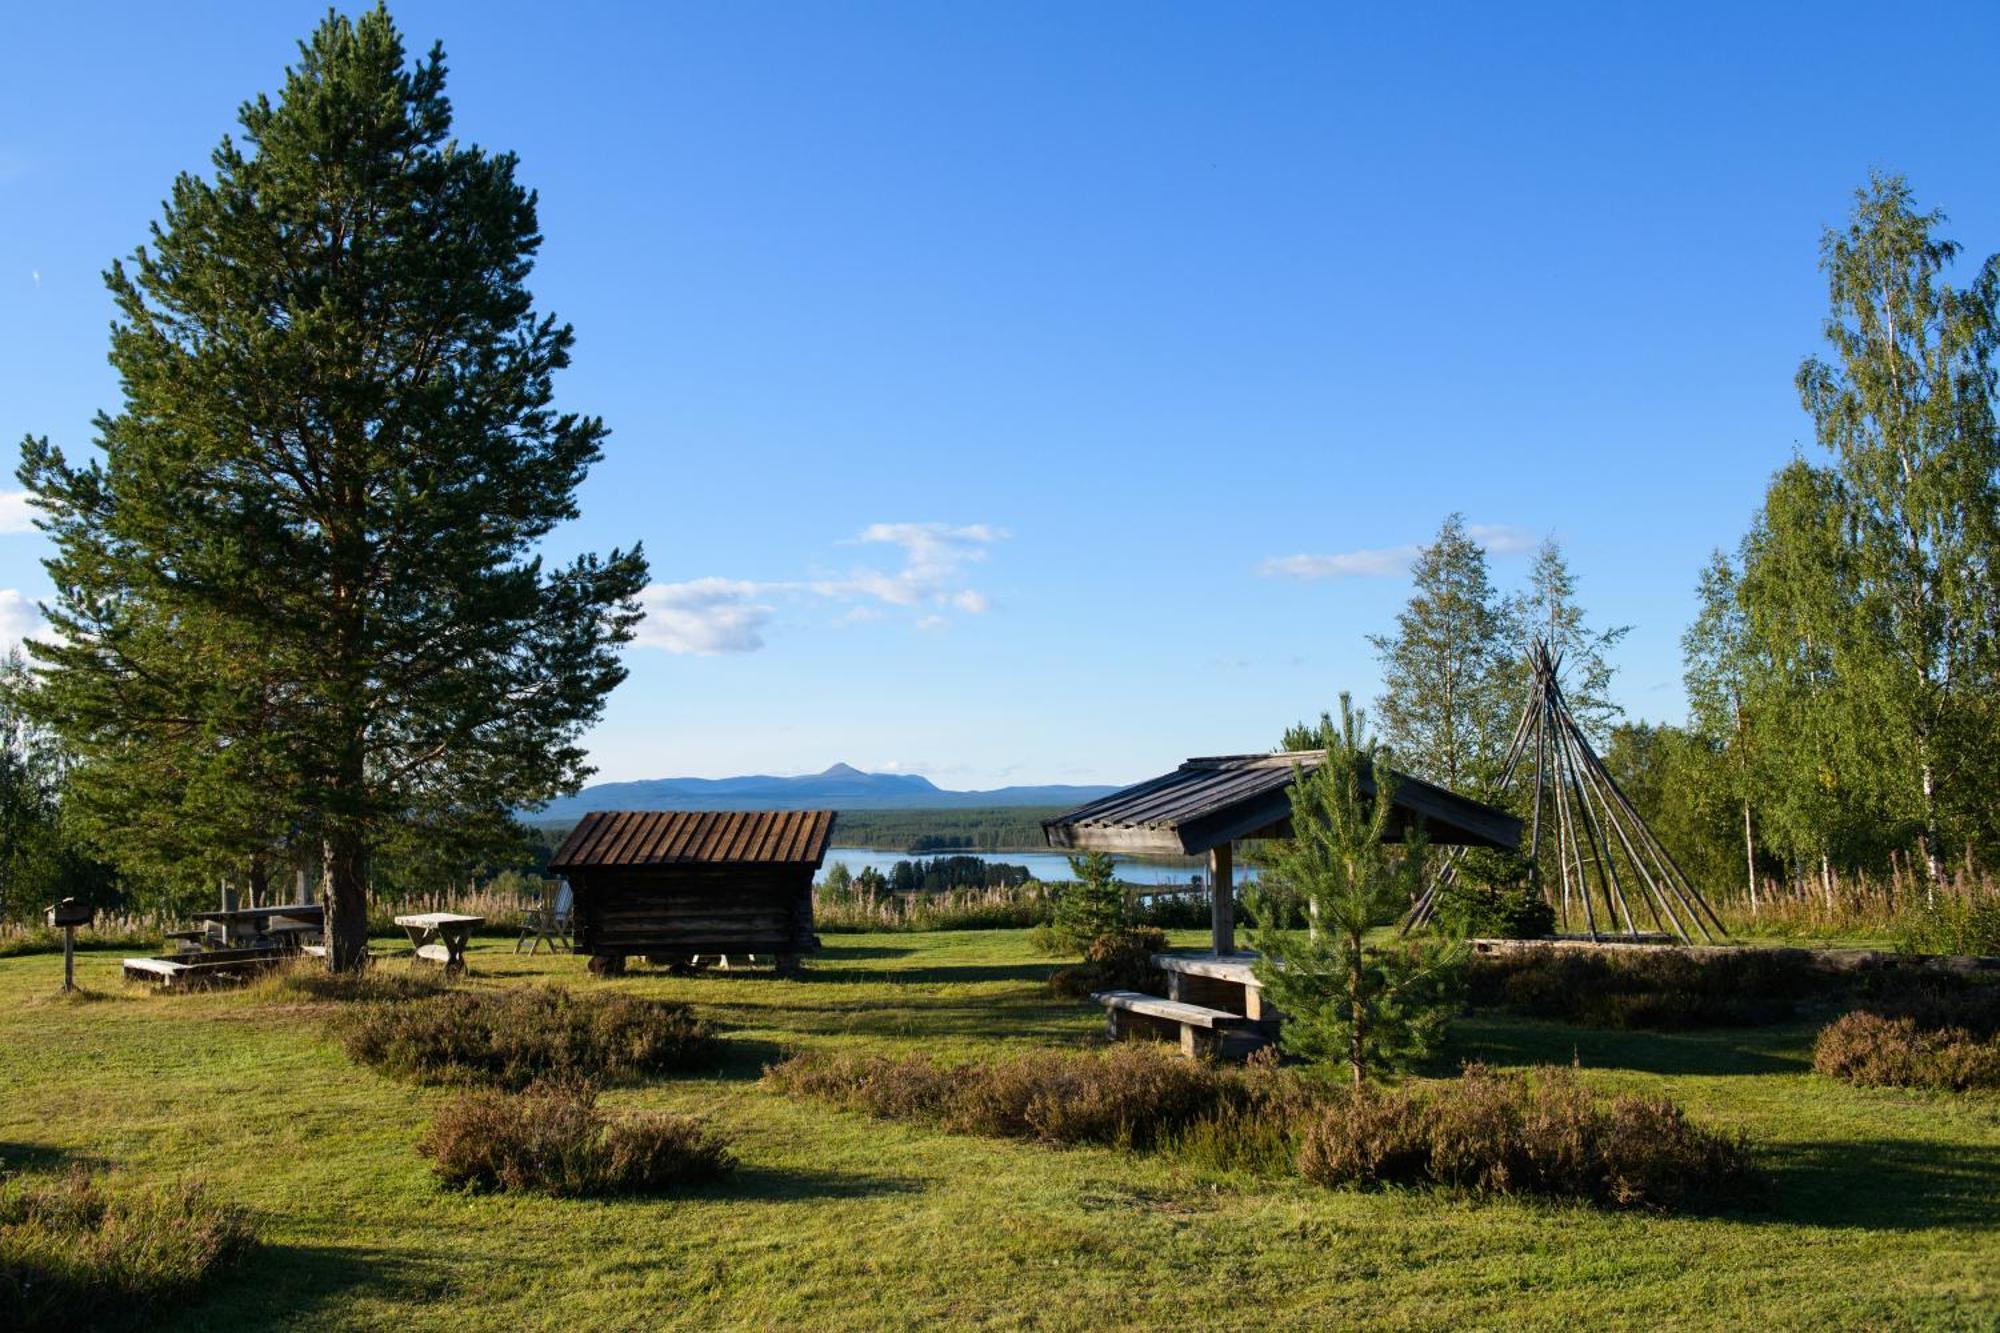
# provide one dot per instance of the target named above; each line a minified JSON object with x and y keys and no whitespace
{"x":1885,"y":1208}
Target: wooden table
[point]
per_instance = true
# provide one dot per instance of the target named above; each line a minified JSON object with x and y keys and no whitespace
{"x":440,"y":937}
{"x":1217,"y":981}
{"x":241,"y":925}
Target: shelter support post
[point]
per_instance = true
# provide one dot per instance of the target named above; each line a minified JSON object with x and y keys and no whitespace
{"x":1222,"y":899}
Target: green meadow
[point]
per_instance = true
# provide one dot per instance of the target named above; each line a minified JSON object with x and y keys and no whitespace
{"x":1886,"y":1209}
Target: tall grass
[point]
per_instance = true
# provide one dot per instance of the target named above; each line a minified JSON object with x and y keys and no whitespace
{"x":1015,"y":907}
{"x":1960,"y":916}
{"x":135,"y":934}
{"x":74,"y":1255}
{"x":995,"y":908}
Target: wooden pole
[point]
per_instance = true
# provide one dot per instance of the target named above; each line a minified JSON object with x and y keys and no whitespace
{"x":1222,"y":899}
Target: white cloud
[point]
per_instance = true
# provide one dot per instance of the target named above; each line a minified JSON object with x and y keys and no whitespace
{"x":1390,"y":561}
{"x":935,"y":556}
{"x":1502,"y":538}
{"x":704,"y":616}
{"x":19,"y":619}
{"x":16,"y":514}
{"x":1387,"y":560}
{"x":719,"y":615}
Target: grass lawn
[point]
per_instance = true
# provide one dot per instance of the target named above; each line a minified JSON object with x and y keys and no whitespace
{"x":1887,"y":1212}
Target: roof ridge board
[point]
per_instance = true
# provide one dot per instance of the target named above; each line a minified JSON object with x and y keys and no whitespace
{"x":817,"y":834}
{"x":627,"y":829}
{"x":684,"y":834}
{"x":603,"y":831}
{"x":765,"y":832}
{"x":657,"y":831}
{"x":740,"y":838}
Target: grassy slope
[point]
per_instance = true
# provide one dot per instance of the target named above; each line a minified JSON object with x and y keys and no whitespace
{"x":1887,"y":1214}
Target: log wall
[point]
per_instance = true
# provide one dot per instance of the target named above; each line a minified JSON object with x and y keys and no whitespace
{"x":694,"y":909}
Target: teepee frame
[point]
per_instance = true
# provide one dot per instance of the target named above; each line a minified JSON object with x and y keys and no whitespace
{"x":1609,"y":861}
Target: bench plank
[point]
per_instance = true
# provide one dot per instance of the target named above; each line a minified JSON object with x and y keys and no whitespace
{"x":1172,"y":1011}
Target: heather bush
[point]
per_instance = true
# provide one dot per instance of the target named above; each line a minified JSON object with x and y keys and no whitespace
{"x":553,"y":1139}
{"x":74,"y":1255}
{"x":1134,"y":1094}
{"x":1875,"y":1050}
{"x":1646,"y":987}
{"x":1537,"y":1132}
{"x":1130,"y":1094}
{"x":896,"y":1089}
{"x":1932,"y":1000}
{"x":514,"y":1037}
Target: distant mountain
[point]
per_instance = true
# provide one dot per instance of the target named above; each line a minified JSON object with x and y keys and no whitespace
{"x":841,"y":787}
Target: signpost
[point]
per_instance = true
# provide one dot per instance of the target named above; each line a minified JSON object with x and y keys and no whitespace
{"x":69,"y":914}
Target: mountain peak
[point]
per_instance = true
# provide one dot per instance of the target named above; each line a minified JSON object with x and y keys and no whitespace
{"x":843,"y":771}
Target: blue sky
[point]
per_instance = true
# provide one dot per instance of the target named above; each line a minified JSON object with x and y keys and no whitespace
{"x":970,"y":365}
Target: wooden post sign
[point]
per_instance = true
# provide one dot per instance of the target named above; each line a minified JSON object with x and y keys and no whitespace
{"x":69,"y":914}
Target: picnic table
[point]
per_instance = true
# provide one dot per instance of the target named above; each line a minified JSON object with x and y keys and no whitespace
{"x":241,"y":926}
{"x":1218,"y":981}
{"x":1214,"y":1005}
{"x":440,"y":937}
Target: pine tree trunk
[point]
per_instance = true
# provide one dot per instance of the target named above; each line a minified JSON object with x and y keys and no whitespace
{"x":346,"y":905}
{"x":1357,"y":974}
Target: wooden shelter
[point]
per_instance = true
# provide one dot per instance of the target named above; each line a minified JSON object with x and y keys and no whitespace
{"x":1207,"y":805}
{"x":681,"y":886}
{"x":1214,"y":1001}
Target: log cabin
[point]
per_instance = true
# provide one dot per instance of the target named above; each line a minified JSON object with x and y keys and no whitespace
{"x":679,"y":888}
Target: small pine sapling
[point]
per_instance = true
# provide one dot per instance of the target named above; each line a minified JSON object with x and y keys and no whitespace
{"x":1320,"y":894}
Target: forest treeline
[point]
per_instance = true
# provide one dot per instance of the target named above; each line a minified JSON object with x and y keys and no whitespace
{"x":1843,"y":668}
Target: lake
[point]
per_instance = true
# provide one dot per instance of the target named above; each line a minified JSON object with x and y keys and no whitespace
{"x":1146,"y":871}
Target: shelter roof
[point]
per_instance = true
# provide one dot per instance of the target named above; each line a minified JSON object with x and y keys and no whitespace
{"x":1207,"y":802}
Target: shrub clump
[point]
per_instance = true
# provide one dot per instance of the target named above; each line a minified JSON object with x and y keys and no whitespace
{"x":1875,"y":1050}
{"x":553,"y":1139}
{"x":1538,"y":1132}
{"x":1663,"y":989}
{"x":1122,"y":960}
{"x":1132,"y":1095}
{"x":519,"y":1036}
{"x":73,"y":1255}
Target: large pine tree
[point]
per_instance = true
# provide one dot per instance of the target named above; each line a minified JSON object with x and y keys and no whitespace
{"x":297,"y":600}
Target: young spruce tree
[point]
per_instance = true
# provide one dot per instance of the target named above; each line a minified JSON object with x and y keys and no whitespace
{"x":1094,"y":904}
{"x":1315,"y":900}
{"x":305,"y":559}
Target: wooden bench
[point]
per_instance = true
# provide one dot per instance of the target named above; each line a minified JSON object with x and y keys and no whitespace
{"x":1199,"y":1030}
{"x":215,"y":964}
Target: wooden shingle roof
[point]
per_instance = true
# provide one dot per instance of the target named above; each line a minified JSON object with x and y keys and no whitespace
{"x":696,"y":837}
{"x":1207,"y":802}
